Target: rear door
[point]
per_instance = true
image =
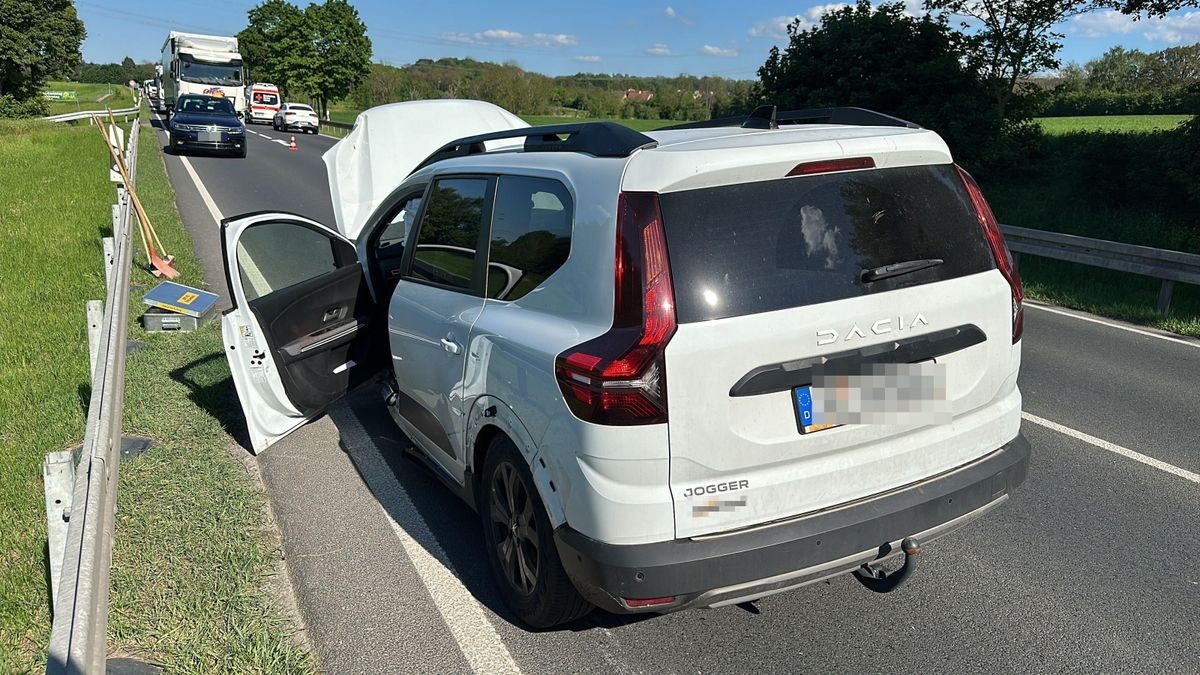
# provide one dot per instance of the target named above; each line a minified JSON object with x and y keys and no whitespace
{"x":299,"y":334}
{"x":771,"y":293}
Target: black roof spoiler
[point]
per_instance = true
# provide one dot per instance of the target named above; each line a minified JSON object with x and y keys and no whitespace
{"x":599,"y":139}
{"x":766,"y":117}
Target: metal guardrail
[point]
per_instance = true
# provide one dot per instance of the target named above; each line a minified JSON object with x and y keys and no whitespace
{"x":335,"y":129}
{"x":80,"y":589}
{"x":124,"y":113}
{"x":1169,"y":266}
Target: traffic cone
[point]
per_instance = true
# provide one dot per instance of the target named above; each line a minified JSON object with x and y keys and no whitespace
{"x":292,"y":144}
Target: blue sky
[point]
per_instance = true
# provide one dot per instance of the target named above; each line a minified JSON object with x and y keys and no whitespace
{"x":724,"y":38}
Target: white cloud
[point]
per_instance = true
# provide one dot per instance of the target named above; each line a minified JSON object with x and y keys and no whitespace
{"x":717,"y":51}
{"x":776,"y":27}
{"x":587,"y":58}
{"x":658,"y":49}
{"x":669,"y":11}
{"x":511,"y":38}
{"x":1173,"y":29}
{"x":1099,"y":24}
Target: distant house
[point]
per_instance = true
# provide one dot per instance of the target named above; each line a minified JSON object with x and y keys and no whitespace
{"x":637,"y":95}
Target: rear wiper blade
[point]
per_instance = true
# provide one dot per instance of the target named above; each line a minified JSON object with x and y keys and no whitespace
{"x":896,"y":269}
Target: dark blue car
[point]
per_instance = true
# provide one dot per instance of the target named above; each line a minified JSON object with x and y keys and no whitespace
{"x":207,"y":123}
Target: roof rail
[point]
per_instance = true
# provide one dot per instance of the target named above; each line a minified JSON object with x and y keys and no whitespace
{"x":599,"y":139}
{"x":766,"y":117}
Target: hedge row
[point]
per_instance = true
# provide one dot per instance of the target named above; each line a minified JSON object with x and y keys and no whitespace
{"x":1176,"y":101}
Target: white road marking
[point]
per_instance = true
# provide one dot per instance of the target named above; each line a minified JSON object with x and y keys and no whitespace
{"x":464,"y":616}
{"x":204,"y":196}
{"x":1113,"y":447}
{"x":1131,"y":329}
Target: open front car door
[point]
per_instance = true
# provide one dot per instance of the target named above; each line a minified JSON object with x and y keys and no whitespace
{"x":298,"y":336}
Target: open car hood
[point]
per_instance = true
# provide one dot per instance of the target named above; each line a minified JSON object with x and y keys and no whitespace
{"x":388,"y":142}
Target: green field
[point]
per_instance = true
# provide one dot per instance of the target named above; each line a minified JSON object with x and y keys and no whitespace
{"x":192,"y":551}
{"x":88,"y":97}
{"x":346,"y":115}
{"x":1131,"y":123}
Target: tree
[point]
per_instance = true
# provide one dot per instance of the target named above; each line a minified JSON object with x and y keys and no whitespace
{"x":127,"y":62}
{"x":276,"y":46}
{"x":884,"y":59}
{"x":1011,"y":39}
{"x":1121,"y":70}
{"x":39,"y":39}
{"x":340,"y":55}
{"x":1146,"y":7}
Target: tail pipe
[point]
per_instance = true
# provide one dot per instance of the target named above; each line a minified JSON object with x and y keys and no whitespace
{"x":876,"y":579}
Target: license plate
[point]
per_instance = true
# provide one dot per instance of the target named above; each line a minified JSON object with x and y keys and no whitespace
{"x":802,"y":396}
{"x":209,"y":137}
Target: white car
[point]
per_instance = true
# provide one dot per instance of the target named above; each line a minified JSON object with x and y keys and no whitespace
{"x":687,"y":368}
{"x":296,"y":116}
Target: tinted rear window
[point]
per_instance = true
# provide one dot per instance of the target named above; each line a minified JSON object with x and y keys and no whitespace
{"x":757,"y":247}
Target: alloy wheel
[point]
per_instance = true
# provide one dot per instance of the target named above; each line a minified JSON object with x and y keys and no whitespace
{"x":514,"y":528}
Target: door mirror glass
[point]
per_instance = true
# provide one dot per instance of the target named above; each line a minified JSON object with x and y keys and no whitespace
{"x":275,"y":255}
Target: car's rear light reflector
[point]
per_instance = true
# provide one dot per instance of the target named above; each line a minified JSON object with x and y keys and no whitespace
{"x":1004,"y":259}
{"x":831,"y":165}
{"x":619,"y":378}
{"x":648,"y":602}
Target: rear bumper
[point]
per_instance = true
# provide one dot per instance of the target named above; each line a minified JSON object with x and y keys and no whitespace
{"x":752,"y":563}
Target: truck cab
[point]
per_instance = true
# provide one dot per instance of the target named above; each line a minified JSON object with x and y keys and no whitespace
{"x":209,"y":65}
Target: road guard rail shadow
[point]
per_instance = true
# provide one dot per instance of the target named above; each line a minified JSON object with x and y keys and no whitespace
{"x":81,"y":499}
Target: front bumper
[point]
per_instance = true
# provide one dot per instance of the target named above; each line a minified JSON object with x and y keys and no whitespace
{"x":727,"y":569}
{"x":190,"y":140}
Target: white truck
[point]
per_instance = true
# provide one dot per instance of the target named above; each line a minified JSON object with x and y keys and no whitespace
{"x":202,"y":64}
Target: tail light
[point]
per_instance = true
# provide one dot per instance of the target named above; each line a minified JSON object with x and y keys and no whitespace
{"x":1004,"y":259}
{"x":619,"y":378}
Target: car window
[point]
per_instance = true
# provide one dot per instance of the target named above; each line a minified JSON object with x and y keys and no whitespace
{"x":275,"y":255}
{"x":400,"y":222}
{"x":449,"y":233}
{"x":531,"y":234}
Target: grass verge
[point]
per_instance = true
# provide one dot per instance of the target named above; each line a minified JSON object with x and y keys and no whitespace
{"x":88,"y":97}
{"x":1120,"y":295}
{"x":193,"y":550}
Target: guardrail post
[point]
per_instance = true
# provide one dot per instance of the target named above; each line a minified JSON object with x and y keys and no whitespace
{"x":1164,"y":296}
{"x":110,"y":255}
{"x":58,"y":479}
{"x":95,"y":315}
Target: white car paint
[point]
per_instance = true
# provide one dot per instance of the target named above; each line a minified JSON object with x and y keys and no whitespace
{"x":627,"y":485}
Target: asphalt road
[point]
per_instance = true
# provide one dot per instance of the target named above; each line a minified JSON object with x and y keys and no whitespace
{"x":1091,"y":566}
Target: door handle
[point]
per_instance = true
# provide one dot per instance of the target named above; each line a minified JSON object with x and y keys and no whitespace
{"x":331,"y":314}
{"x":451,"y":347}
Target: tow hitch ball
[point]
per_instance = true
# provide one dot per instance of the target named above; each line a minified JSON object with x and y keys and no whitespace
{"x":875,"y":578}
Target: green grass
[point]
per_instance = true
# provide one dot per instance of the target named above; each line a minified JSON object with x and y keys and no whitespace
{"x":88,"y":95}
{"x":193,"y":551}
{"x":50,"y":264}
{"x":1133,"y":123}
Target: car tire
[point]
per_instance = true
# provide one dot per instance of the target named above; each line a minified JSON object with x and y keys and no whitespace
{"x":241,"y":154}
{"x":511,"y":510}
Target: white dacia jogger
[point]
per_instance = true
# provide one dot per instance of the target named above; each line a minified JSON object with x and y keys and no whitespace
{"x":687,"y":368}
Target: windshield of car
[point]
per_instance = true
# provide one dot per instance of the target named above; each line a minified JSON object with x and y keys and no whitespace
{"x":205,"y":105}
{"x":211,"y":73}
{"x":301,"y":108}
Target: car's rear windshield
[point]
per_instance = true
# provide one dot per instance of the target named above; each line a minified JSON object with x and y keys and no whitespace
{"x":303,"y":108}
{"x":770,"y":245}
